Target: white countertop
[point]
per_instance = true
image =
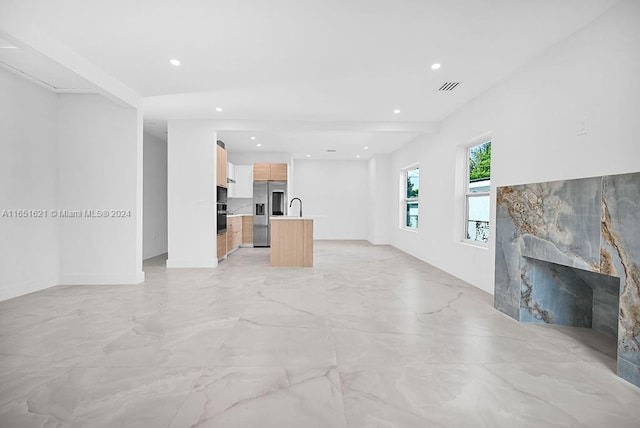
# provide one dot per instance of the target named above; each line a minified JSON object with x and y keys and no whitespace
{"x":289,"y":217}
{"x":238,"y":215}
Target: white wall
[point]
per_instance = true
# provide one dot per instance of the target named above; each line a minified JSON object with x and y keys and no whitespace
{"x":155,"y":197}
{"x":99,"y":148}
{"x":379,"y":209}
{"x":336,"y":193}
{"x":532,"y":117}
{"x":29,"y":254}
{"x":191,"y":189}
{"x":249,"y":158}
{"x":71,"y":152}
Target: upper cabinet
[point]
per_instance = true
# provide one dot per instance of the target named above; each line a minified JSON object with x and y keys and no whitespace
{"x":278,"y":171}
{"x":269,"y":172}
{"x":221,"y":166}
{"x":231,"y":174}
{"x":243,"y":187}
{"x":261,"y":171}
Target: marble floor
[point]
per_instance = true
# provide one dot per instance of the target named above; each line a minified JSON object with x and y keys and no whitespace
{"x":369,"y":337}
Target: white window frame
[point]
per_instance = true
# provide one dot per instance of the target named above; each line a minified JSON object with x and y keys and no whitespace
{"x":404,"y":201}
{"x":468,"y":194}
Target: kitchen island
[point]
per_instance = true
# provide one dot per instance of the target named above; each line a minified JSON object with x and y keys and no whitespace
{"x":291,"y":241}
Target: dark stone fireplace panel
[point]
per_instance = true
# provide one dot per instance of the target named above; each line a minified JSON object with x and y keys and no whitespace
{"x":620,"y":256}
{"x":560,"y":221}
{"x":556,"y":294}
{"x":606,"y":297}
{"x":554,"y":239}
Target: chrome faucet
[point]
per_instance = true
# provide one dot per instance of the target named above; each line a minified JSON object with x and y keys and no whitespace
{"x":300,"y":200}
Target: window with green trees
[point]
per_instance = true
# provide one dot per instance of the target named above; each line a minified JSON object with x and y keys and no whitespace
{"x":480,"y":162}
{"x":477,"y":192}
{"x":412,"y":189}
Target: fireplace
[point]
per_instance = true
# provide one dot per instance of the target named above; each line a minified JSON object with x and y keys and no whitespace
{"x":557,"y":294}
{"x":568,"y":252}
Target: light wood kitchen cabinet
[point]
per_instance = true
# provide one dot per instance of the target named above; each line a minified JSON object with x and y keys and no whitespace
{"x":269,"y":172}
{"x":261,"y":171}
{"x":229,"y":236}
{"x":234,"y":233}
{"x":237,"y":234}
{"x":247,"y":229}
{"x":278,"y":172}
{"x":221,"y":242}
{"x":221,"y":166}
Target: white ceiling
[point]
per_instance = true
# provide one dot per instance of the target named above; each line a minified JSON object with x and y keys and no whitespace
{"x":41,"y":70}
{"x":317,"y":61}
{"x":348,"y":145}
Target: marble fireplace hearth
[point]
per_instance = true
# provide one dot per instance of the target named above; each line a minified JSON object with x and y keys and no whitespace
{"x":568,"y":252}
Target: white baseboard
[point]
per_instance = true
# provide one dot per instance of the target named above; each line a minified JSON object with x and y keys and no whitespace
{"x":100,"y":279}
{"x":379,"y":242}
{"x":191,"y":264}
{"x":25,"y":287}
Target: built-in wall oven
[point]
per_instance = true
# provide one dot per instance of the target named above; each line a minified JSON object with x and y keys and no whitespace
{"x":221,"y":208}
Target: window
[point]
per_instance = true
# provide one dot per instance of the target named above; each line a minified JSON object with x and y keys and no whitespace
{"x":411,"y":180}
{"x":478,"y":186}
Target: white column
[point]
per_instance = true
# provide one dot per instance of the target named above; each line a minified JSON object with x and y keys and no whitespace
{"x":191,"y":187}
{"x":380,"y":199}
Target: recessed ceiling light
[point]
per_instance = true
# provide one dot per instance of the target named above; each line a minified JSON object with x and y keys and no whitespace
{"x":174,"y":62}
{"x":218,"y":108}
{"x":308,"y":156}
{"x":396,"y":111}
{"x":357,"y":156}
{"x":253,"y":138}
{"x":258,"y":145}
{"x":366,"y":147}
{"x":435,"y":66}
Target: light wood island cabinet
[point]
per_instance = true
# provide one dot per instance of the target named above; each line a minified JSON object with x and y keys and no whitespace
{"x":291,"y":242}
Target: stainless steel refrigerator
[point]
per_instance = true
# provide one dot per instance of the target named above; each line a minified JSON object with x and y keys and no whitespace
{"x":269,"y":200}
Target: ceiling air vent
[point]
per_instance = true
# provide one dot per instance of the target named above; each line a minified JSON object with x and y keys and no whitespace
{"x":449,"y":86}
{"x":331,"y":150}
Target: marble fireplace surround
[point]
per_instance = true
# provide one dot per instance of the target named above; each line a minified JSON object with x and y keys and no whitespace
{"x":568,"y":252}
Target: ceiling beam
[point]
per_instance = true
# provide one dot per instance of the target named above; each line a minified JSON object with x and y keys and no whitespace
{"x":22,"y":33}
{"x":313,"y":126}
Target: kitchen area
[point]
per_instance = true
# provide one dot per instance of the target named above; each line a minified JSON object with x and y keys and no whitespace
{"x":253,"y":210}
